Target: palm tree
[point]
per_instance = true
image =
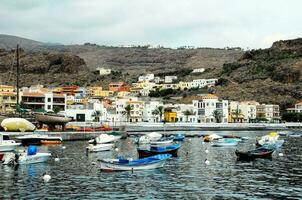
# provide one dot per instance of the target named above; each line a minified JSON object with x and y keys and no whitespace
{"x":96,"y":114}
{"x":128,"y":109}
{"x":217,"y":115}
{"x":187,"y":113}
{"x":237,"y":113}
{"x":159,"y":111}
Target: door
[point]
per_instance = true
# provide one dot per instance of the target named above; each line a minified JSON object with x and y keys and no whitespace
{"x":80,"y":117}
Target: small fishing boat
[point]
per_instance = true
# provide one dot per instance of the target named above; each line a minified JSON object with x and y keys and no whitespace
{"x":154,"y":150}
{"x":152,"y":162}
{"x":146,"y":139}
{"x":99,"y":147}
{"x":163,"y":141}
{"x":104,"y":138}
{"x":210,"y":138}
{"x":225,"y":143}
{"x":179,"y":137}
{"x":39,"y":139}
{"x":295,"y":135}
{"x":29,"y":157}
{"x":253,"y":154}
{"x":7,"y":145}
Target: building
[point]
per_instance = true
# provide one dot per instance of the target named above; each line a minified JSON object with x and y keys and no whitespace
{"x":8,"y":99}
{"x":170,"y":79}
{"x":270,"y":113}
{"x":296,"y":109}
{"x":68,"y":90}
{"x":146,"y":78}
{"x":170,"y":114}
{"x":44,"y":101}
{"x":94,"y":92}
{"x":184,"y":85}
{"x":199,"y":70}
{"x":136,"y":112}
{"x":200,"y":83}
{"x":103,"y":71}
{"x":210,"y":109}
{"x":148,"y":112}
{"x":119,"y":87}
{"x":242,"y":111}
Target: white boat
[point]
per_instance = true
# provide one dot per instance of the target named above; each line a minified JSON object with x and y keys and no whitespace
{"x":38,"y":139}
{"x":225,"y":143}
{"x":17,"y":124}
{"x":150,"y":137}
{"x":162,"y":141}
{"x":104,"y":138}
{"x":24,"y":158}
{"x":152,"y":162}
{"x":7,"y":145}
{"x":99,"y":147}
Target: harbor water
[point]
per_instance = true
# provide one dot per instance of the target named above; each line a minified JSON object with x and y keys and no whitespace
{"x":77,"y":176}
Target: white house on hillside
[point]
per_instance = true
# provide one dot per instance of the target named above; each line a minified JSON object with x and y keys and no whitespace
{"x":103,"y":71}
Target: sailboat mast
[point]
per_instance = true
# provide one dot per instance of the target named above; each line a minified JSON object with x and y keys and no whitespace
{"x":18,"y":75}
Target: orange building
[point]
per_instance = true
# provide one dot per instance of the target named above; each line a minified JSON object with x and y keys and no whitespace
{"x":119,"y":87}
{"x":68,"y":90}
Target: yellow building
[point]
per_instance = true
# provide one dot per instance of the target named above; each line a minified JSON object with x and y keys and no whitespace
{"x":8,"y":99}
{"x":170,"y":116}
{"x":105,"y":93}
{"x":94,"y":91}
{"x":123,"y":94}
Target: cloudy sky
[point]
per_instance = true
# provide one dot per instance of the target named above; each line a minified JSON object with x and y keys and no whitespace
{"x":170,"y":23}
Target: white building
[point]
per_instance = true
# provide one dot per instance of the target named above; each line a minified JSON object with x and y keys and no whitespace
{"x":148,"y":115}
{"x":204,"y":109}
{"x":182,"y":116}
{"x":244,"y":111}
{"x":296,"y":109}
{"x":199,"y":70}
{"x":170,"y":79}
{"x":200,"y":83}
{"x":147,"y":78}
{"x":103,"y":71}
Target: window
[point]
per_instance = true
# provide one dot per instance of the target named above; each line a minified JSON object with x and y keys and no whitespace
{"x":49,"y":107}
{"x":48,"y":99}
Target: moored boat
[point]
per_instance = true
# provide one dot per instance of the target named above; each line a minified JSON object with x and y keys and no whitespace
{"x":38,"y":139}
{"x":104,"y":138}
{"x":163,"y":141}
{"x":7,"y":145}
{"x":253,"y":154}
{"x":179,"y":137}
{"x":225,"y":143}
{"x":99,"y":147}
{"x":152,"y":162}
{"x":154,"y":150}
{"x":29,"y":157}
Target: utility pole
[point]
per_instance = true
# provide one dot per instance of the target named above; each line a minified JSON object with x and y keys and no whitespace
{"x":18,"y":75}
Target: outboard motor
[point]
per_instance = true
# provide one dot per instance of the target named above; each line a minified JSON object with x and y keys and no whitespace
{"x":9,"y":159}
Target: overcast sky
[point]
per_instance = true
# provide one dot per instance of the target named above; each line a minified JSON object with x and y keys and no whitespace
{"x":170,"y":23}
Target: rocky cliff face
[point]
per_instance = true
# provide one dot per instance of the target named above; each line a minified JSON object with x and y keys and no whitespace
{"x":271,"y":75}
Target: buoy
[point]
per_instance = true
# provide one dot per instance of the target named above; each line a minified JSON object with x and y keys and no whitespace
{"x":207,"y":162}
{"x":63,"y":147}
{"x":46,"y":177}
{"x":207,"y":151}
{"x":116,"y":149}
{"x":203,"y":142}
{"x":57,"y":159}
{"x":281,"y":154}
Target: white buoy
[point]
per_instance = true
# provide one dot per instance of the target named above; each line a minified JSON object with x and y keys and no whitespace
{"x":63,"y":147}
{"x":280,"y":154}
{"x":116,"y":149}
{"x":46,"y":177}
{"x":207,"y":151}
{"x":57,"y":159}
{"x":207,"y":162}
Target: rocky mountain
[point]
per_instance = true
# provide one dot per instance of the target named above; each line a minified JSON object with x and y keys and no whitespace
{"x":272,"y":75}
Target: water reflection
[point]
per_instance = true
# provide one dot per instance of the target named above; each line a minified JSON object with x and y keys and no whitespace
{"x":187,"y":176}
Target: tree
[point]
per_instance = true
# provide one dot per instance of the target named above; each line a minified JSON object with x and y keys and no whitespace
{"x":158,"y":111}
{"x":237,"y":113}
{"x":217,"y":114}
{"x":187,"y":113}
{"x":96,"y":114}
{"x":128,"y":109}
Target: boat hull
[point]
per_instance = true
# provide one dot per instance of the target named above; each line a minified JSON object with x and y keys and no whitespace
{"x":222,"y":144}
{"x":163,"y":142}
{"x":37,"y":158}
{"x":105,"y":166}
{"x":9,"y":147}
{"x":252,"y":156}
{"x":39,"y":140}
{"x":100,"y":147}
{"x":17,"y":124}
{"x":147,"y":153}
{"x":52,"y":119}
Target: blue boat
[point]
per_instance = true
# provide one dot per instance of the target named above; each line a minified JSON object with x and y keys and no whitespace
{"x":154,"y":150}
{"x":179,"y":137}
{"x":151,"y":162}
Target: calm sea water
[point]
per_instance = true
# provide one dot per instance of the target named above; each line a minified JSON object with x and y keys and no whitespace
{"x":185,"y":177}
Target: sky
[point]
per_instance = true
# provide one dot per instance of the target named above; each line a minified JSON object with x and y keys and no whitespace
{"x":169,"y":23}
